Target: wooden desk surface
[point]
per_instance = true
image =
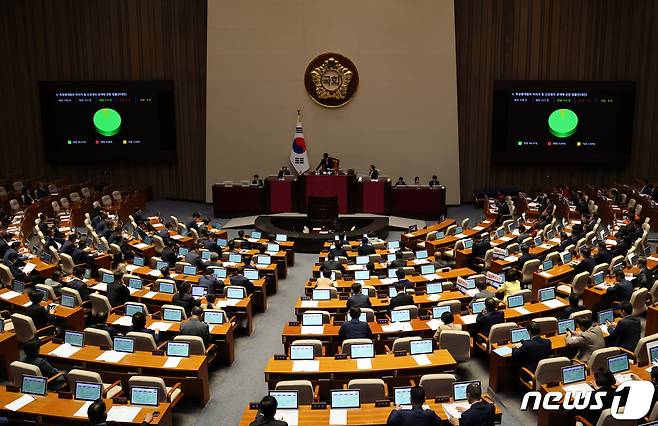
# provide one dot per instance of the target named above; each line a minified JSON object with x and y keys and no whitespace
{"x":69,"y":315}
{"x":421,"y":233}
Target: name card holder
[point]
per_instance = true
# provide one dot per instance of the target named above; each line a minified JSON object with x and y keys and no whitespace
{"x":280,"y":357}
{"x":340,"y":356}
{"x":318,"y":406}
{"x":383,"y":403}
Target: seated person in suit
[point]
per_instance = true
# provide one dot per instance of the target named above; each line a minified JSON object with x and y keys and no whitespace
{"x":117,"y":293}
{"x":79,"y":285}
{"x":483,"y":292}
{"x":184,"y":299}
{"x":325,"y":279}
{"x":237,"y":278}
{"x":480,"y":413}
{"x":283,"y":172}
{"x":417,"y":415}
{"x":480,"y":246}
{"x":434,"y":181}
{"x":331,"y":264}
{"x":622,"y":290}
{"x":587,"y":263}
{"x":511,"y":284}
{"x":373,"y":173}
{"x":574,"y":306}
{"x":587,"y":339}
{"x":241,"y":240}
{"x":400,"y":182}
{"x":12,"y":262}
{"x":399,"y":261}
{"x":401,"y":276}
{"x":266,"y":413}
{"x":489,"y":316}
{"x":354,"y":329}
{"x":256,"y":180}
{"x":31,"y":356}
{"x":210,"y":282}
{"x":97,"y":415}
{"x":417,"y":180}
{"x":209,"y":303}
{"x":448,"y":321}
{"x":365,"y":248}
{"x":603,"y":255}
{"x":194,"y":223}
{"x":525,"y":255}
{"x":100,"y":323}
{"x":644,"y":277}
{"x":195,"y":327}
{"x":358,"y":299}
{"x":338,"y":250}
{"x":627,"y":332}
{"x":326,"y":164}
{"x":40,"y":317}
{"x":139,"y":326}
{"x":522,"y":234}
{"x":69,"y":244}
{"x":534,"y":350}
{"x":565,"y":241}
{"x":605,"y":382}
{"x":81,"y":257}
{"x":402,"y":298}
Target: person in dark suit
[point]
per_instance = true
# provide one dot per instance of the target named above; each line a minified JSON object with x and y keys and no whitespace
{"x":266,"y":413}
{"x":587,"y":263}
{"x":603,"y":255}
{"x":257,"y":181}
{"x":434,"y":181}
{"x":69,"y":244}
{"x":210,"y":282}
{"x":417,"y":415}
{"x":43,"y":223}
{"x":26,"y":198}
{"x":605,"y":382}
{"x":331,"y":264}
{"x":480,"y":246}
{"x":139,"y":326}
{"x":621,"y":291}
{"x":399,"y":262}
{"x":40,"y":317}
{"x":481,"y":413}
{"x":489,"y":316}
{"x":338,"y":250}
{"x":644,"y":277}
{"x":373,"y":173}
{"x":401,"y":276}
{"x":326,"y":164}
{"x":78,"y":284}
{"x":98,"y":417}
{"x":525,"y":255}
{"x":400,"y":181}
{"x":522,"y":234}
{"x":627,"y":332}
{"x":574,"y":306}
{"x":565,"y":241}
{"x":184,"y":299}
{"x":354,"y":329}
{"x":195,"y":327}
{"x":402,"y":298}
{"x":533,"y":350}
{"x":12,"y":262}
{"x":31,"y":356}
{"x":358,"y":299}
{"x":365,"y":248}
{"x":41,"y":191}
{"x":101,"y":324}
{"x":117,"y":292}
{"x":80,"y":256}
{"x":238,"y":279}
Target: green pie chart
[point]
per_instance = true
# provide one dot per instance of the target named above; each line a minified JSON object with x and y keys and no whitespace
{"x":107,"y":122}
{"x":562,"y":122}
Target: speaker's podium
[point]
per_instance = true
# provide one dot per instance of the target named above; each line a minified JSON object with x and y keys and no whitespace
{"x":322,"y":208}
{"x":339,"y":185}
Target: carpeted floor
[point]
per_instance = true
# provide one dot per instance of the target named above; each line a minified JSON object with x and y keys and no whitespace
{"x":232,"y":388}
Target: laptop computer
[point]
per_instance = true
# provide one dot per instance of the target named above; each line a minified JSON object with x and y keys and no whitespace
{"x":546,"y":294}
{"x":312,"y":319}
{"x":169,"y":314}
{"x":520,"y":334}
{"x":363,"y":350}
{"x":34,"y":385}
{"x":74,"y":338}
{"x":420,"y":347}
{"x":459,"y":390}
{"x":235,"y":293}
{"x":213,"y":317}
{"x":573,"y":374}
{"x":165,"y":287}
{"x":321,"y":294}
{"x":402,"y":315}
{"x":124,"y":344}
{"x":144,"y":395}
{"x":515,"y":301}
{"x":345,"y":398}
{"x":301,"y":352}
{"x":68,"y":301}
{"x":564,"y":325}
{"x":88,"y":391}
{"x":286,"y":400}
{"x":179,"y":349}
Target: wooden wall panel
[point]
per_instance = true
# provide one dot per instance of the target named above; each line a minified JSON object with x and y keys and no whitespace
{"x":553,"y":40}
{"x":104,"y":40}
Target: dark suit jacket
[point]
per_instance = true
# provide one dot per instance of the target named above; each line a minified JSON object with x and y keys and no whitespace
{"x":603,"y":256}
{"x":241,"y":280}
{"x":358,"y":301}
{"x":44,"y":366}
{"x":485,"y":320}
{"x":398,"y":263}
{"x":401,"y":299}
{"x":332,"y":265}
{"x":621,"y":292}
{"x":81,"y":287}
{"x":365,"y":250}
{"x":266,"y":421}
{"x":566,"y":312}
{"x":413,"y":417}
{"x":532,"y":351}
{"x":339,"y":251}
{"x":586,"y":264}
{"x":374,"y":174}
{"x":39,"y":315}
{"x":480,"y":249}
{"x":68,"y":247}
{"x":80,"y":257}
{"x":186,"y":301}
{"x":118,"y":294}
{"x":627,"y":333}
{"x":480,"y":414}
{"x":196,"y":328}
{"x":354,"y":329}
{"x":213,"y":285}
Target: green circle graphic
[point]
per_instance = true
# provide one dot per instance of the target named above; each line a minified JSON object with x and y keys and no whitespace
{"x":562,"y":122}
{"x":107,"y":122}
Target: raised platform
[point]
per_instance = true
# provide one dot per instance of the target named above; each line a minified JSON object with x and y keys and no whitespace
{"x":310,"y":235}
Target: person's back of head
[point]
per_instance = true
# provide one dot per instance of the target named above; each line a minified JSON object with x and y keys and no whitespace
{"x":627,"y":308}
{"x":584,"y":323}
{"x":35,"y":296}
{"x":101,"y":317}
{"x":574,"y":300}
{"x":268,"y":406}
{"x":355,"y":312}
{"x":400,"y":274}
{"x":585,"y":251}
{"x":96,"y":412}
{"x":241,"y":233}
{"x":139,"y":320}
{"x":356,"y":288}
{"x":331,"y":255}
{"x":602,"y":246}
{"x":534,"y":329}
{"x":481,"y":285}
{"x":447,"y":317}
{"x":364,"y":241}
{"x":399,"y":287}
{"x":184,"y":288}
{"x":31,"y":347}
{"x":525,"y":249}
{"x":522,"y":229}
{"x":164,"y":271}
{"x":474,"y":392}
{"x":604,"y":378}
{"x":197,"y":311}
{"x":510,"y":275}
{"x":490,"y":303}
{"x":326,"y":273}
{"x":118,"y":277}
{"x":417,"y":395}
{"x":210,"y":298}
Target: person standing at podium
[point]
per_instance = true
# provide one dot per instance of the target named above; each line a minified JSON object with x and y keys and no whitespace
{"x":326,"y":164}
{"x":373,"y":173}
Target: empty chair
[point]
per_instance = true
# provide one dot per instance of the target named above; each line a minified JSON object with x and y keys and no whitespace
{"x":110,"y":390}
{"x":6,"y":277}
{"x":548,"y":371}
{"x":458,"y":343}
{"x":347,"y":345}
{"x":413,"y":310}
{"x":455,"y":305}
{"x":306,"y":394}
{"x":107,"y":201}
{"x":577,"y":286}
{"x":197,"y":345}
{"x":465,"y":223}
{"x":171,"y":394}
{"x":547,"y":325}
{"x":601,"y":267}
{"x":18,"y":186}
{"x":402,"y":343}
{"x":584,"y":313}
{"x":326,"y":316}
{"x":143,"y":341}
{"x":96,"y":337}
{"x":75,"y":197}
{"x":640,"y":353}
{"x":528,"y":270}
{"x":638,"y":301}
{"x":437,"y":385}
{"x":86,"y":193}
{"x":317,"y":345}
{"x":499,"y":333}
{"x":371,"y":389}
{"x":56,"y":208}
{"x":554,"y":257}
{"x":75,"y":294}
{"x":116,"y":196}
{"x":99,"y":303}
{"x":527,"y":295}
{"x":451,"y":230}
{"x":14,"y":205}
{"x":25,"y":329}
{"x":653,"y":293}
{"x":158,"y":244}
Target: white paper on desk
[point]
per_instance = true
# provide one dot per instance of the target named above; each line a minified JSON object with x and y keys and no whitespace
{"x":486,"y":221}
{"x":100,"y":287}
{"x":9,"y":295}
{"x":172,"y":362}
{"x":391,"y":328}
{"x":478,"y":228}
{"x":506,"y":239}
{"x":422,"y":360}
{"x":312,"y":329}
{"x":434,"y":323}
{"x":546,"y":274}
{"x":111,"y":356}
{"x":159,"y":325}
{"x":451,"y":409}
{"x":177,"y":237}
{"x":388,"y":281}
{"x":82,"y":411}
{"x":122,"y":414}
{"x":289,"y":416}
{"x":575,"y":221}
{"x":578,"y":387}
{"x":434,"y":297}
{"x":356,"y":267}
{"x":125,"y":320}
{"x":511,"y":259}
{"x":132,"y":290}
{"x":604,"y":329}
{"x":150,"y":294}
{"x":29,"y":267}
{"x":19,"y":403}
{"x":364,"y":364}
{"x":228,"y":302}
{"x":655,"y":259}
{"x":65,"y":350}
{"x":155,"y":273}
{"x":602,"y":286}
{"x":469,"y":319}
{"x":522,"y":311}
{"x":307,"y":365}
{"x":556,"y":240}
{"x":141,"y":245}
{"x":406,"y":326}
{"x":611,"y":242}
{"x":553,"y":303}
{"x":131,"y":268}
{"x":546,"y":246}
{"x":26,"y":304}
{"x":337,"y":416}
{"x":516,"y":232}
{"x":461,"y":235}
{"x":431,"y":277}
{"x":309,"y":303}
{"x":420,"y":261}
{"x":503,"y":351}
{"x":472,"y":292}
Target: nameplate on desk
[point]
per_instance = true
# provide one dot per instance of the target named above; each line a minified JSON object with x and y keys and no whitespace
{"x":11,"y":388}
{"x":105,"y":347}
{"x":58,"y":341}
{"x":65,"y":395}
{"x":157,"y":352}
{"x":382,"y":321}
{"x":254,"y":405}
{"x":381,"y":296}
{"x":424,"y":317}
{"x":318,"y":406}
{"x":305,"y":298}
{"x":338,"y":323}
{"x":400,"y":353}
{"x":279,"y":357}
{"x":120,"y":400}
{"x":441,"y":399}
{"x":383,"y":403}
{"x":340,"y":356}
{"x":293,"y":323}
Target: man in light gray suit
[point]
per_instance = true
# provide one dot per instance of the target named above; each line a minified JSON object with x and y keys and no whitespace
{"x":587,"y":340}
{"x":195,"y":327}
